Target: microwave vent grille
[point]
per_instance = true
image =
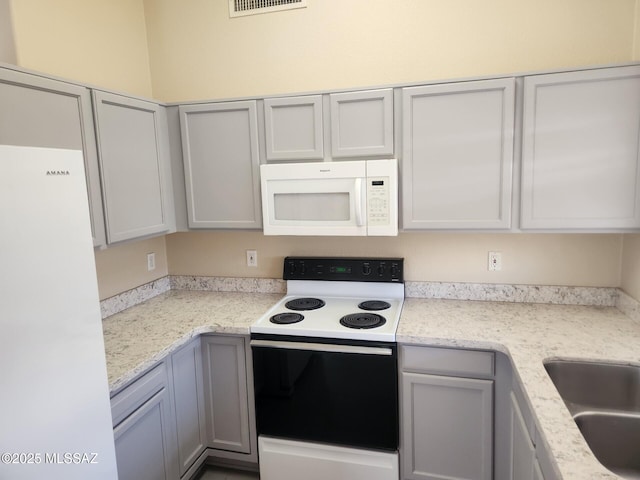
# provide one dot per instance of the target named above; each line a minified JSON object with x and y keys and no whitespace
{"x":239,"y":8}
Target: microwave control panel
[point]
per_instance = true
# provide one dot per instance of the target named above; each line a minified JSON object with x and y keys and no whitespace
{"x":378,"y":196}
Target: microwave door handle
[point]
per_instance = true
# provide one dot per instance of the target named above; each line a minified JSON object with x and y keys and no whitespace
{"x":359,"y":203}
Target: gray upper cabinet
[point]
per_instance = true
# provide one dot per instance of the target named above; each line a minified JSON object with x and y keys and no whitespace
{"x":136,"y":178}
{"x":293,"y":128}
{"x":221,"y":165}
{"x":362,"y":123}
{"x":39,"y":112}
{"x":580,"y":158}
{"x":458,"y":155}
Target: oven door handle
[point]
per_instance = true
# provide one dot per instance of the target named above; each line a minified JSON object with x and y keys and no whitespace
{"x":322,"y":347}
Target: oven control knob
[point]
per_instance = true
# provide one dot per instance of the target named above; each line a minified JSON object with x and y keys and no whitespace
{"x":366,"y":269}
{"x":381,"y":270}
{"x":395,"y":271}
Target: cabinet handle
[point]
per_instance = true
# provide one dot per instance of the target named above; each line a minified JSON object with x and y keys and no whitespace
{"x":322,"y":347}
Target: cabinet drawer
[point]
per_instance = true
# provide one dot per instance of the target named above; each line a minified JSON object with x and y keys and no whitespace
{"x":447,"y":361}
{"x":129,"y":399}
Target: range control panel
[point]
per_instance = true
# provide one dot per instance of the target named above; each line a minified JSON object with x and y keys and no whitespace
{"x":344,"y":269}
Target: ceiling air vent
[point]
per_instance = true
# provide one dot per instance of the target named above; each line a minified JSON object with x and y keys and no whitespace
{"x":238,"y":8}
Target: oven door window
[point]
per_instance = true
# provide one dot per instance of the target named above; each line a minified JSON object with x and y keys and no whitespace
{"x":332,"y":397}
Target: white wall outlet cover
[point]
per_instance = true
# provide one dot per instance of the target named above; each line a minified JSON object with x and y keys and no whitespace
{"x":252,"y":258}
{"x":151,"y":261}
{"x":495,"y":261}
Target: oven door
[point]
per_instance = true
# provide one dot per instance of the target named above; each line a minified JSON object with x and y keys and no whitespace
{"x":327,"y":391}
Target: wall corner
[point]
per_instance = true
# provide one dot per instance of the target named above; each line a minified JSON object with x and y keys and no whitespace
{"x":7,"y":34}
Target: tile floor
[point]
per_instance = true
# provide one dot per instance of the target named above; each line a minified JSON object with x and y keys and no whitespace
{"x":218,"y":473}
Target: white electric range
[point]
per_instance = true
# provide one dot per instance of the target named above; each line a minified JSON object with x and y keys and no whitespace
{"x":326,"y":372}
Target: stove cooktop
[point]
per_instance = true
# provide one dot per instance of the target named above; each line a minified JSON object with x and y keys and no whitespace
{"x":346,"y":298}
{"x":342,"y":298}
{"x":340,"y":317}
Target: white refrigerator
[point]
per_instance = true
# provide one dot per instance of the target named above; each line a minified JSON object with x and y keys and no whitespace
{"x":55,"y":415}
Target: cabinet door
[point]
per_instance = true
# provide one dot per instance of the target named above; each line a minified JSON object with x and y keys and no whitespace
{"x":226,"y":393}
{"x":188,"y":394}
{"x":537,"y":472}
{"x":580,"y":157}
{"x":293,"y":128}
{"x":222,"y":168}
{"x":142,"y":449}
{"x":447,"y":427}
{"x":362,"y":123}
{"x":133,"y":148}
{"x":458,"y":155}
{"x":144,"y":428}
{"x":523,"y":455}
{"x":39,"y":112}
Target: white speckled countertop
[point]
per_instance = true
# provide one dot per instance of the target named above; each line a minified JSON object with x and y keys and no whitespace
{"x":138,"y":337}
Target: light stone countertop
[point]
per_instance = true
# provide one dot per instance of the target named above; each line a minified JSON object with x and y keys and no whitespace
{"x":138,"y":337}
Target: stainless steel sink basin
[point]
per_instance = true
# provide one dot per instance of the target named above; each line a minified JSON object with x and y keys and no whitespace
{"x":604,"y":400}
{"x":614,"y":439}
{"x":589,"y":385}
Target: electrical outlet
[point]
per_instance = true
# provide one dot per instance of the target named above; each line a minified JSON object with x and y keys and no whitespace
{"x":252,"y":258}
{"x":151,"y":261}
{"x":495,"y":261}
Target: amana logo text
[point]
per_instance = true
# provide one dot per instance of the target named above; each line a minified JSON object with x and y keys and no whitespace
{"x":58,"y":172}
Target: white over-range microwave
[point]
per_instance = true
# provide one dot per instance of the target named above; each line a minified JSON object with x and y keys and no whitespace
{"x":351,"y":198}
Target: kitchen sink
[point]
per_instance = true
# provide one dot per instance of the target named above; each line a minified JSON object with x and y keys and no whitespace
{"x":604,"y":400}
{"x":614,"y":439}
{"x":595,"y":385}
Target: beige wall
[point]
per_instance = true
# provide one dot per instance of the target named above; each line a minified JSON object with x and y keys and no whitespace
{"x":124,"y":266}
{"x":198,"y":52}
{"x":7,"y":45}
{"x":630,"y":281}
{"x":101,"y":42}
{"x":540,"y":259}
{"x":636,"y":43}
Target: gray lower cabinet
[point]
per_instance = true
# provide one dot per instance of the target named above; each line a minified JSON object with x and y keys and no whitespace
{"x":188,"y":395}
{"x":230,"y":415}
{"x":221,"y":165}
{"x":39,"y":112}
{"x":193,"y":405}
{"x":523,"y":455}
{"x":447,"y":419}
{"x":580,"y":151}
{"x":529,"y":458}
{"x":457,"y":155}
{"x":133,"y":147}
{"x":144,"y":429}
